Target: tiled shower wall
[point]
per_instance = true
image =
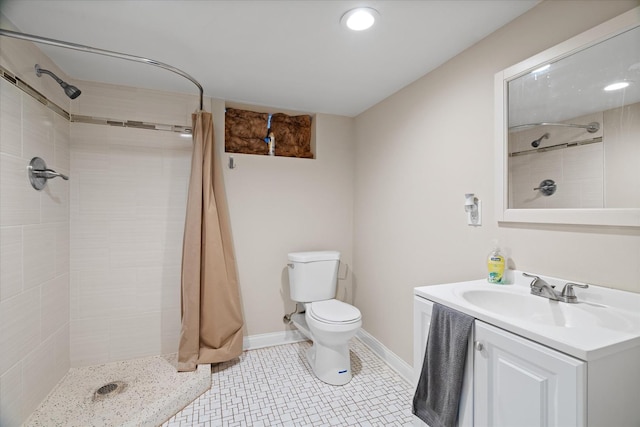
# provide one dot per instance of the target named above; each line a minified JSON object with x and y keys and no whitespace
{"x":595,"y":175}
{"x":128,"y":203}
{"x":106,"y":287}
{"x":577,"y":171}
{"x":34,"y":255}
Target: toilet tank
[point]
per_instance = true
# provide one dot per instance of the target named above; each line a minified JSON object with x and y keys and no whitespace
{"x":313,"y":276}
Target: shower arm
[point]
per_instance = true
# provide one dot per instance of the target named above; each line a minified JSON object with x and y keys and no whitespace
{"x":49,"y":73}
{"x":89,"y":49}
{"x":591,"y":127}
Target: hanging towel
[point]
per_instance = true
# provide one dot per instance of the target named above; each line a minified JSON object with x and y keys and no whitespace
{"x":438,"y":393}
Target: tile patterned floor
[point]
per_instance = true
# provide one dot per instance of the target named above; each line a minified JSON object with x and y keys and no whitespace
{"x":274,"y":387}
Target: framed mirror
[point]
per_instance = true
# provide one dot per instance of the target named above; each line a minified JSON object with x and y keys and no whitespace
{"x":568,"y":130}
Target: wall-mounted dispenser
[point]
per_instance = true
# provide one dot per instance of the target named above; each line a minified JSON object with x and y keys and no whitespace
{"x":473,"y":208}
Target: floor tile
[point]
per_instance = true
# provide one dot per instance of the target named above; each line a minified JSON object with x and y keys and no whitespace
{"x":274,"y":386}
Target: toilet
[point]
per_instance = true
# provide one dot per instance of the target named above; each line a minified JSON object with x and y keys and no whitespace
{"x":328,"y":322}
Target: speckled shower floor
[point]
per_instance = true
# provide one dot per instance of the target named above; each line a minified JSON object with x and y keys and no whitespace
{"x":154,"y":392}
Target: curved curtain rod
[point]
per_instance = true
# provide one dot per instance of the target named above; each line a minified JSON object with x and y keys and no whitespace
{"x":89,"y":49}
{"x":591,"y":127}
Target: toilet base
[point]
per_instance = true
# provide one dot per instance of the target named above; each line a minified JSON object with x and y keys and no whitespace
{"x":331,"y":364}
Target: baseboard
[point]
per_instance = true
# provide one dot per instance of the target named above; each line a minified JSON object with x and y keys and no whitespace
{"x":403,"y":369}
{"x":253,"y":342}
{"x":390,"y":358}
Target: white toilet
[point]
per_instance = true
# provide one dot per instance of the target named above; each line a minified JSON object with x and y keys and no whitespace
{"x":329,"y":323}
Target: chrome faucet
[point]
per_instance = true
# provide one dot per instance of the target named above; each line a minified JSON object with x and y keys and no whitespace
{"x":542,"y":289}
{"x":568,"y":295}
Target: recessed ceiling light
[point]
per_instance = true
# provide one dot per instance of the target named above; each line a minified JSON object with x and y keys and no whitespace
{"x":616,"y":86}
{"x":360,"y":18}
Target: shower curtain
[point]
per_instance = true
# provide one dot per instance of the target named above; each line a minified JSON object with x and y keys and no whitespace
{"x":211,"y":312}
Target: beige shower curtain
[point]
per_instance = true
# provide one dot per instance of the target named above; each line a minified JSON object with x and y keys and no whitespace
{"x":211,"y":312}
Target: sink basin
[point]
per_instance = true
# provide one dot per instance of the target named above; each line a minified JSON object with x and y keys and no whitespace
{"x":543,"y":311}
{"x":604,"y":320}
{"x":520,"y":305}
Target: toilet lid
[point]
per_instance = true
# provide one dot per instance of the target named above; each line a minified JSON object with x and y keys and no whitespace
{"x":333,"y":311}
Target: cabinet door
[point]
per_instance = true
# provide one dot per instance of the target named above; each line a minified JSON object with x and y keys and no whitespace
{"x":521,"y":383}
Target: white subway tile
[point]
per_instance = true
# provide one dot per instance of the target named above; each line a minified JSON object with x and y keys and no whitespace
{"x":19,"y":327}
{"x":89,"y":341}
{"x":87,"y":351}
{"x":135,"y":336}
{"x":10,"y":119}
{"x":62,"y":248}
{"x":12,"y":411}
{"x":10,"y":262}
{"x":40,"y":374}
{"x":61,"y":350}
{"x":171,"y":323}
{"x":39,"y":254}
{"x":171,"y":287}
{"x":55,"y":304}
{"x":106,"y":293}
{"x":89,"y":244}
{"x":61,"y":137}
{"x":108,"y":101}
{"x":37,"y":130}
{"x":148,"y":289}
{"x":19,"y":201}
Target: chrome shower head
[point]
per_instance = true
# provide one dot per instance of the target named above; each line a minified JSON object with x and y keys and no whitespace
{"x":71,"y":91}
{"x":536,"y":143}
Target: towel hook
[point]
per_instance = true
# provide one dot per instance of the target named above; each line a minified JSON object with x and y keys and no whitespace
{"x":39,"y":173}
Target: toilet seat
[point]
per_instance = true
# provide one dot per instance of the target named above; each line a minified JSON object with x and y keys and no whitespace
{"x":334,"y":312}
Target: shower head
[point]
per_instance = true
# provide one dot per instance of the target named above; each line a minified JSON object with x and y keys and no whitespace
{"x":71,"y":91}
{"x":536,"y":143}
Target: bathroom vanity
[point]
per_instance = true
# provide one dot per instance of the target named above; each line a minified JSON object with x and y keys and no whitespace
{"x":532,"y":361}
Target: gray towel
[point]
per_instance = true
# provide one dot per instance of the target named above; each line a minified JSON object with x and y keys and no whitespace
{"x":438,"y":393}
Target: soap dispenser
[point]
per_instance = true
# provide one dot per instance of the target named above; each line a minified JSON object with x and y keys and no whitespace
{"x":496,"y":265}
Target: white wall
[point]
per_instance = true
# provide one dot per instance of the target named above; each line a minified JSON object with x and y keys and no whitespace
{"x":420,"y":150}
{"x":280,"y":205}
{"x":34,"y":239}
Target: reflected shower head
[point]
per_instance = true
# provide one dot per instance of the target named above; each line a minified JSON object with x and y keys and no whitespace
{"x":536,"y":143}
{"x":71,"y":91}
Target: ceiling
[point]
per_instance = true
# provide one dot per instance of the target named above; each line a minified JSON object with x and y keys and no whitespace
{"x":285,"y":54}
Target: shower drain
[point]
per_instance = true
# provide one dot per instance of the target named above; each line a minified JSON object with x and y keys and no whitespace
{"x":108,"y":390}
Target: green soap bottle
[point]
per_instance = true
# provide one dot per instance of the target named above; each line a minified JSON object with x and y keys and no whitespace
{"x":495,"y":266}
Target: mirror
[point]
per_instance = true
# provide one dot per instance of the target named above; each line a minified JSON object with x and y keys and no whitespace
{"x":568,"y":130}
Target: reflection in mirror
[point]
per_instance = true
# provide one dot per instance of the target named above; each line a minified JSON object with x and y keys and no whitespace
{"x":574,"y":139}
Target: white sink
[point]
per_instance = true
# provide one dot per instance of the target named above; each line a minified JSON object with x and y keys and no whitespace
{"x":602,"y":322}
{"x":542,"y":311}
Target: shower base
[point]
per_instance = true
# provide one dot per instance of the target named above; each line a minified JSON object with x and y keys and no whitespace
{"x":139,"y":392}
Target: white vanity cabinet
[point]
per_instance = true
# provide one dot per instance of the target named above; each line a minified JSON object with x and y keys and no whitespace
{"x":517,"y":382}
{"x":511,"y":380}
